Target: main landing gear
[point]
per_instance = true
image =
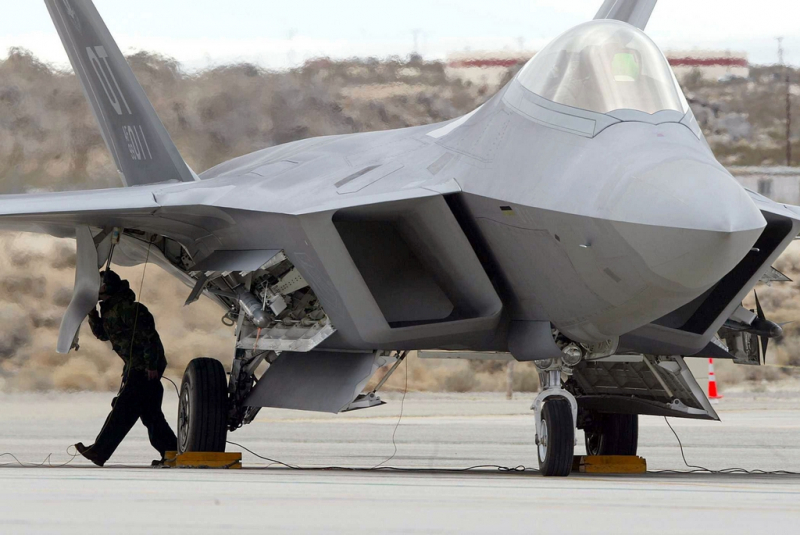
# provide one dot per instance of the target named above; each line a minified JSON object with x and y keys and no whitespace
{"x":612,"y":434}
{"x":203,"y":407}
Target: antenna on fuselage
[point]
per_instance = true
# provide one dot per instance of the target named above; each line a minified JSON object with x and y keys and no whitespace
{"x":788,"y":78}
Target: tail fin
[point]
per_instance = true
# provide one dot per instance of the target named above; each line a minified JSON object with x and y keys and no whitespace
{"x":636,"y":12}
{"x":141,"y":147}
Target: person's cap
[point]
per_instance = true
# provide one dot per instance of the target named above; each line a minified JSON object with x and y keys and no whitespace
{"x":111,"y":280}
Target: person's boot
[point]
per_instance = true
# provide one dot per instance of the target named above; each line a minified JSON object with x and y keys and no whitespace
{"x":163,"y":462}
{"x":89,"y":454}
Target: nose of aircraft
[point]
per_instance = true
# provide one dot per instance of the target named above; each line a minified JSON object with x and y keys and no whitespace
{"x":690,"y":221}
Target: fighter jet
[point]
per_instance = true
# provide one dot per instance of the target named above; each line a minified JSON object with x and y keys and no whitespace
{"x":578,"y":219}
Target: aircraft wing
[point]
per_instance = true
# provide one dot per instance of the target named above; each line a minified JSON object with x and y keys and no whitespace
{"x":53,"y":213}
{"x":76,"y":214}
{"x":58,"y":214}
{"x":635,"y":12}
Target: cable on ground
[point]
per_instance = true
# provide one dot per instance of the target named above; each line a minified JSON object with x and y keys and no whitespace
{"x":378,"y":468}
{"x":399,"y":419}
{"x":702,"y":470}
{"x":46,"y":463}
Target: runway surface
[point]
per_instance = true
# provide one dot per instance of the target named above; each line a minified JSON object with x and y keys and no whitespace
{"x":437,"y":431}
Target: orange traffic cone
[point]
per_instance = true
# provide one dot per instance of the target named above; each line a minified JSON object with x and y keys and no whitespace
{"x":712,"y":382}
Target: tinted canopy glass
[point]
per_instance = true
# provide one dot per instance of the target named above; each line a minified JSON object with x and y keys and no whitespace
{"x":603,"y":66}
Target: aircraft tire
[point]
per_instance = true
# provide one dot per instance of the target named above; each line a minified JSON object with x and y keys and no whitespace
{"x":616,"y":434}
{"x":203,"y":407}
{"x":557,"y":440}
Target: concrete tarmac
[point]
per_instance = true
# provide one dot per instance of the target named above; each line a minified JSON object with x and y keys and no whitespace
{"x":437,"y":432}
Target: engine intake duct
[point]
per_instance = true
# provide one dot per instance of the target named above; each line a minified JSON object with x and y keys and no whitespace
{"x":417,"y":264}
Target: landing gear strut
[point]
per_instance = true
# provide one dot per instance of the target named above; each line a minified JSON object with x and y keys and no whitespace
{"x":556,"y":412}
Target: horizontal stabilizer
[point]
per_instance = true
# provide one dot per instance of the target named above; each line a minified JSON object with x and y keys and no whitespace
{"x":635,"y":12}
{"x":140,"y":145}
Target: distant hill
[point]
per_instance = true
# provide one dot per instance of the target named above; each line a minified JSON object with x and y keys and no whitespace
{"x":49,"y":139}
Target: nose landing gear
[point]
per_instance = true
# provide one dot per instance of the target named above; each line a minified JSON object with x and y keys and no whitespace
{"x":557,"y":439}
{"x":556,"y":412}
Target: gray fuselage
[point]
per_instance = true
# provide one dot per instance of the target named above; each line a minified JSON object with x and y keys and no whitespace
{"x":598,"y":232}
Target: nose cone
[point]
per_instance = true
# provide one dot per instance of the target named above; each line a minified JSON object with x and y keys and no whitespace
{"x":690,"y":222}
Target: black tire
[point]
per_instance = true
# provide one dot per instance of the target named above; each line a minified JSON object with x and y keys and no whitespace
{"x":556,"y":446}
{"x":203,"y":407}
{"x":613,"y":434}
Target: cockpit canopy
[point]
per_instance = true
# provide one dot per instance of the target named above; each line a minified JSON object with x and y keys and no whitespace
{"x":603,"y":66}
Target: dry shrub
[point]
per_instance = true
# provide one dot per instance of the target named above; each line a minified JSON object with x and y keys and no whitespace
{"x":23,"y":259}
{"x":76,"y":375}
{"x":62,"y":297}
{"x":433,"y":375}
{"x":63,"y":256}
{"x":461,"y":381}
{"x":788,"y":351}
{"x":15,"y":330}
{"x":526,"y":378}
{"x":47,"y":320}
{"x":20,"y":288}
{"x":30,"y":379}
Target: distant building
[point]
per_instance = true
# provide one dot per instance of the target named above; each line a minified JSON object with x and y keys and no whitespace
{"x":781,"y":184}
{"x":485,"y":69}
{"x":713,"y":65}
{"x":489,"y":68}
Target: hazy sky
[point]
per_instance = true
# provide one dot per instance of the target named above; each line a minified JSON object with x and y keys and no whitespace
{"x":279,"y":33}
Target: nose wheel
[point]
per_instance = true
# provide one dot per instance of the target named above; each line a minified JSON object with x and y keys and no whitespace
{"x":556,"y":440}
{"x":556,"y":412}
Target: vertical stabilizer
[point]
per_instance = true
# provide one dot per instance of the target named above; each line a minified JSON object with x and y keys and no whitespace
{"x":141,"y":147}
{"x":635,"y":12}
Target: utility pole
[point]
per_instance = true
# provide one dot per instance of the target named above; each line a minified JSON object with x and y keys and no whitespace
{"x":417,"y":33}
{"x":510,"y":380}
{"x":787,"y":75}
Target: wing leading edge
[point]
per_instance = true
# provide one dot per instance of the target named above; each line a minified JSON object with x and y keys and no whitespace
{"x":59,"y":214}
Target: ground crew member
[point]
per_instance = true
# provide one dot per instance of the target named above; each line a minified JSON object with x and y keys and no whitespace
{"x":131,"y":329}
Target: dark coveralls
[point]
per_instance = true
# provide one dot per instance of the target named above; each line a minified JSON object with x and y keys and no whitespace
{"x":131,"y":329}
